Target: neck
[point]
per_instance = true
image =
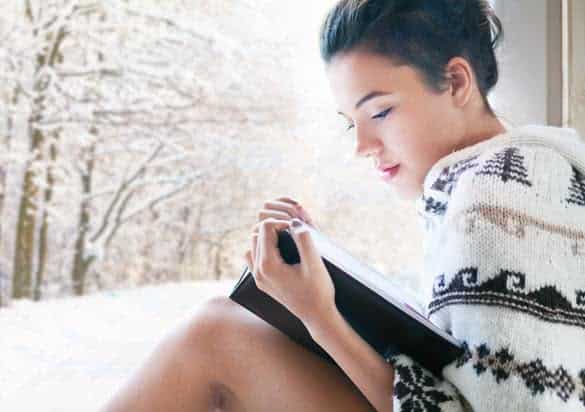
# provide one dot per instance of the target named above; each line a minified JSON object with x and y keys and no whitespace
{"x":483,"y":129}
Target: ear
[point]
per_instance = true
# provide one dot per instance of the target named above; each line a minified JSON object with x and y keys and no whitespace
{"x":462,"y":80}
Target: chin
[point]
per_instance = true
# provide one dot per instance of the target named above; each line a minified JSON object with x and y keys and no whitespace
{"x":409,"y":194}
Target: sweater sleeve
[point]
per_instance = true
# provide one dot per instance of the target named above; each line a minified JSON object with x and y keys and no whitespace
{"x":417,"y":389}
{"x":506,"y":264}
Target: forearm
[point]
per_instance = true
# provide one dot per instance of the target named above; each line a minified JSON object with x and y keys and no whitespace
{"x":361,"y":363}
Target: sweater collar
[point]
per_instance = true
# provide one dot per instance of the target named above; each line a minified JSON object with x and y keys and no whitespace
{"x":566,"y":140}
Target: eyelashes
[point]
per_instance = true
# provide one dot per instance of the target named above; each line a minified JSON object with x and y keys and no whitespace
{"x":380,"y":115}
{"x":383,"y":114}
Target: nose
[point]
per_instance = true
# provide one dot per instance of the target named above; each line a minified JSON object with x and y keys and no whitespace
{"x":367,"y":144}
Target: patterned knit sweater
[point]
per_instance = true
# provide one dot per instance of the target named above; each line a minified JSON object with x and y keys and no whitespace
{"x":505,"y":267}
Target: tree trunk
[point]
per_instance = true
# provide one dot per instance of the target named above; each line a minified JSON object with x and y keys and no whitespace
{"x":25,"y":226}
{"x":217,"y":262}
{"x":48,"y":196}
{"x":3,"y":173}
{"x":218,"y":254}
{"x":5,"y":280}
{"x":193,"y":240}
{"x":184,"y":235}
{"x":82,"y":263}
{"x":26,"y":221}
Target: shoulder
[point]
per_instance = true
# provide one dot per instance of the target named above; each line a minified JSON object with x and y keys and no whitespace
{"x":519,"y":176}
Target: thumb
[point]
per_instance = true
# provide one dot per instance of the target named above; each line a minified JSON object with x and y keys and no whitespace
{"x":302,"y":237}
{"x":270,"y":230}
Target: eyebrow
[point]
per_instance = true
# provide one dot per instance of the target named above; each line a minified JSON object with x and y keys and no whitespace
{"x":370,"y":96}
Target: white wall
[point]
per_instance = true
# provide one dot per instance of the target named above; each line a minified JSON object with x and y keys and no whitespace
{"x":574,"y":19}
{"x":529,"y":89}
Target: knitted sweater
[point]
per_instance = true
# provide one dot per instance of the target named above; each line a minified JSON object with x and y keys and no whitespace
{"x":505,"y":264}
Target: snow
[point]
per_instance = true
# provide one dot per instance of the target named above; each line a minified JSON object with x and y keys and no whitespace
{"x":71,"y":354}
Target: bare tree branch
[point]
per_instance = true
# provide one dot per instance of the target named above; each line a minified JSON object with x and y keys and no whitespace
{"x":125,"y":184}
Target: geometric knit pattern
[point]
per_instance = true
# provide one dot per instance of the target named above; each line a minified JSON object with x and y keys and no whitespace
{"x":433,"y":206}
{"x":448,"y":178}
{"x":507,"y":288}
{"x":417,"y":390}
{"x":536,"y":376}
{"x":505,"y":252}
{"x":507,"y":165}
{"x":577,"y":189}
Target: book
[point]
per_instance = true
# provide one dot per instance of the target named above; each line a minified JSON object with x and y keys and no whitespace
{"x":388,"y":317}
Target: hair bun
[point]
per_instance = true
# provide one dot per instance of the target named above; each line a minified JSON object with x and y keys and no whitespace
{"x":425,"y":34}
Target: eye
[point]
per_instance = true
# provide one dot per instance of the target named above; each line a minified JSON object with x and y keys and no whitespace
{"x":349,"y":127}
{"x":383,"y":114}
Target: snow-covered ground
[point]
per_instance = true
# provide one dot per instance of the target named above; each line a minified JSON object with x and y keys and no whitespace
{"x":72,"y":354}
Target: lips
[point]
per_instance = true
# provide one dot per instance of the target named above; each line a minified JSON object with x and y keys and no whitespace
{"x":383,"y":168}
{"x":389,"y":172}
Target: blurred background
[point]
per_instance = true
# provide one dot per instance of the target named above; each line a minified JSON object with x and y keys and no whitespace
{"x":140,"y":138}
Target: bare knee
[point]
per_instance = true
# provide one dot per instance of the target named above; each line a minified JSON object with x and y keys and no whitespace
{"x":212,"y":322}
{"x":210,"y":332}
{"x":245,"y":363}
{"x":220,"y":331}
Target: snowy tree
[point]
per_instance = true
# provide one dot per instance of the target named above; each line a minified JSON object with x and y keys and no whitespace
{"x":122,"y":116}
{"x":143,"y":146}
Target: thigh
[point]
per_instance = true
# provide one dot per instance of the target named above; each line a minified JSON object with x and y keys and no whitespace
{"x":267,"y":371}
{"x":224,"y":358}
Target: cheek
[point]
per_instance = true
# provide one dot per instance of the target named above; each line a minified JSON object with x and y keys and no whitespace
{"x":423,"y":153}
{"x":431,"y":137}
{"x":416,"y":139}
{"x":432,"y":113}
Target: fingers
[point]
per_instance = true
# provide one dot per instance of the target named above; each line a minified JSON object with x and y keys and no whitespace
{"x":305,"y":245}
{"x":256,"y":226}
{"x":288,"y":200}
{"x":281,"y":208}
{"x":254,"y":251}
{"x":267,"y":245}
{"x":301,"y":213}
{"x":264,"y":214}
{"x":249,"y":261}
{"x":306,"y":218}
{"x":271,"y":226}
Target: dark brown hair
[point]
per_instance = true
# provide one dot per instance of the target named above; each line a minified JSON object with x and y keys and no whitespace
{"x":424,"y":34}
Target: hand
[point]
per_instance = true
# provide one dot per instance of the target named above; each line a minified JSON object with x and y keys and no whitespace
{"x":285,"y":208}
{"x":306,"y":288}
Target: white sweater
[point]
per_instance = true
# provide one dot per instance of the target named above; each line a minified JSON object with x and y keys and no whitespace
{"x":505,"y":265}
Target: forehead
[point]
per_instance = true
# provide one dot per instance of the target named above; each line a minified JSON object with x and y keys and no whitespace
{"x":351,"y":75}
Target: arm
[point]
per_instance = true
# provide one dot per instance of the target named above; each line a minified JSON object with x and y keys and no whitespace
{"x":504,"y":262}
{"x":364,"y":366}
{"x":394,"y":384}
{"x":311,"y":298}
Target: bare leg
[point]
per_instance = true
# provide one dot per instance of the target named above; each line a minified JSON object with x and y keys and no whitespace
{"x":227,"y":359}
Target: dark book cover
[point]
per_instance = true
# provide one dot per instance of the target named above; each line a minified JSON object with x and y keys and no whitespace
{"x":384,"y":315}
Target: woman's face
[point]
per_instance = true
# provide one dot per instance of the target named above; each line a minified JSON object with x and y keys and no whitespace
{"x":394,"y":117}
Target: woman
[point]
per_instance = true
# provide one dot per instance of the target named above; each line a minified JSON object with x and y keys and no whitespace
{"x":504,"y":246}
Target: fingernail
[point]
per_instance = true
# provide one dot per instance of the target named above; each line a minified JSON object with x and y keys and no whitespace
{"x":296,"y":223}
